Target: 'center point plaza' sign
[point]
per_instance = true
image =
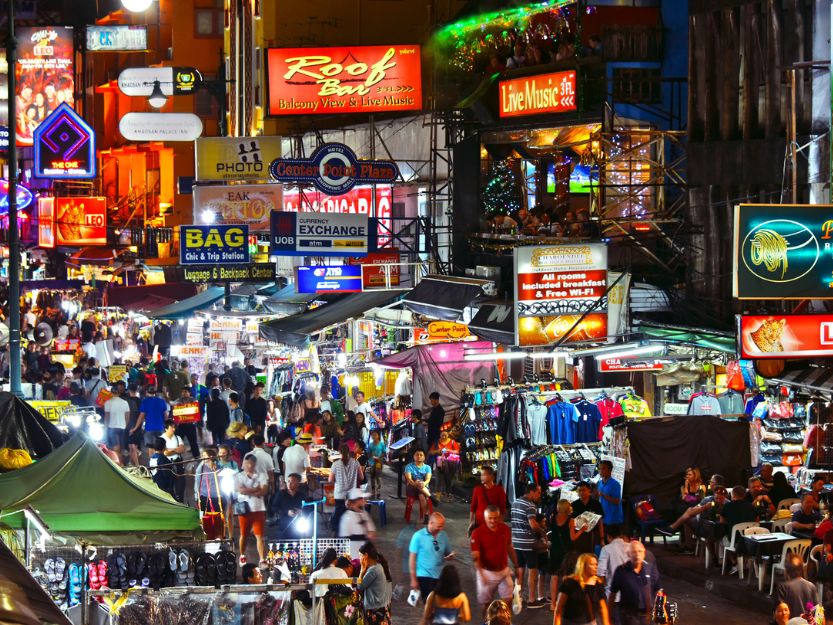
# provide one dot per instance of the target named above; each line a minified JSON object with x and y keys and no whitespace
{"x":334,"y":169}
{"x":209,"y":245}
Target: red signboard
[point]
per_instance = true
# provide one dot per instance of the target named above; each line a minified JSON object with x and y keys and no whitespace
{"x":356,"y":201}
{"x":375,"y":275}
{"x":610,"y":365}
{"x":65,"y":345}
{"x":562,"y":284}
{"x":186,"y":412}
{"x":78,"y":221}
{"x":544,"y":93}
{"x":355,"y":79}
{"x":786,"y":336}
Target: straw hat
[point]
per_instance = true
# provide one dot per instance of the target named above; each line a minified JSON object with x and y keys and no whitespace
{"x":236,"y":428}
{"x":305,"y":438}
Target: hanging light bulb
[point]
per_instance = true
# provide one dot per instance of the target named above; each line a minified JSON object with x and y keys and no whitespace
{"x":136,"y":6}
{"x":157,"y":99}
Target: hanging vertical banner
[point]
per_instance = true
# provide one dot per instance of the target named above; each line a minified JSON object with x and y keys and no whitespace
{"x":44,"y":76}
{"x":555,"y":285}
{"x":617,"y":304}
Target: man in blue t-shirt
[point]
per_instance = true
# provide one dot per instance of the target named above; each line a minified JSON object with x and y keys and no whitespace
{"x":417,"y":477}
{"x":610,"y":495}
{"x":429,"y":549}
{"x":152,"y":412}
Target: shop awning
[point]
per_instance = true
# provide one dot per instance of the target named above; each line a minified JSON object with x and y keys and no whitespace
{"x":696,"y":337}
{"x":443,"y":297}
{"x":187,"y":307}
{"x":287,"y":301}
{"x":296,"y":330}
{"x":93,"y":256}
{"x":149,"y":297}
{"x":26,"y":596}
{"x":812,"y":378}
{"x":495,"y":321}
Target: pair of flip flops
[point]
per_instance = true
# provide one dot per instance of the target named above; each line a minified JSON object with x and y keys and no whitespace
{"x":136,"y":568}
{"x":157,"y":570}
{"x":77,"y":577}
{"x":117,"y":564}
{"x":56,"y":579}
{"x":179,"y":562}
{"x":205,"y":570}
{"x":226,"y":563}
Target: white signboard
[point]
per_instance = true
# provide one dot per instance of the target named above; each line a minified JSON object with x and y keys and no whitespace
{"x":160,"y":126}
{"x":117,"y":38}
{"x":138,"y":81}
{"x":618,"y":469}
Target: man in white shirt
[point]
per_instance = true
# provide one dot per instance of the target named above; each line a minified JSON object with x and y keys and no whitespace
{"x":613,"y":555}
{"x":265,"y":464}
{"x":296,"y":458}
{"x":116,"y":413}
{"x":174,"y":448}
{"x":356,"y":523}
{"x":364,"y":408}
{"x":328,"y":572}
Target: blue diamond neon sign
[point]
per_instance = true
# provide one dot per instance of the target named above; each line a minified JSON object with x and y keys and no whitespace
{"x":64,"y":146}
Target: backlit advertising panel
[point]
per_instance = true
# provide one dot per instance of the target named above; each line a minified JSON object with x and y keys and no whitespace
{"x":354,"y":79}
{"x":237,"y":204}
{"x":786,"y":336}
{"x":64,"y":146}
{"x":533,"y":95}
{"x":76,"y":221}
{"x":44,"y":76}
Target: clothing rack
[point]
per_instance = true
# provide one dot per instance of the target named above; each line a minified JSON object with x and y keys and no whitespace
{"x":567,"y":394}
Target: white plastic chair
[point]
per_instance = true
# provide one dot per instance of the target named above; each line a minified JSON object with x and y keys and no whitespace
{"x":779,"y":525}
{"x":799,"y":547}
{"x":785,"y":504}
{"x":816,"y":554}
{"x":752,"y":531}
{"x":737,"y":528}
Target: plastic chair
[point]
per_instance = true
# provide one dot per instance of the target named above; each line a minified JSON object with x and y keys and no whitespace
{"x":737,"y":528}
{"x":752,"y":531}
{"x":785,"y":504}
{"x":779,"y":525}
{"x":409,"y":505}
{"x":816,"y":554}
{"x":799,"y":547}
{"x":646,"y":526}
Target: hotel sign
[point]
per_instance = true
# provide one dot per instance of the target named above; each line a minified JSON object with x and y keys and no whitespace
{"x":544,"y":93}
{"x":354,"y":79}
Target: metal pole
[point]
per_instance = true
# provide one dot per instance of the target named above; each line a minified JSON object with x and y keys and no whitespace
{"x":15,"y":372}
{"x":793,"y":139}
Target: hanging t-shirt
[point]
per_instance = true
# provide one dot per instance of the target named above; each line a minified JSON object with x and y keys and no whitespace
{"x":752,"y":403}
{"x":609,"y":409}
{"x":588,"y":422}
{"x":536,"y":414}
{"x":704,"y":405}
{"x":635,"y":407}
{"x":561,"y":419}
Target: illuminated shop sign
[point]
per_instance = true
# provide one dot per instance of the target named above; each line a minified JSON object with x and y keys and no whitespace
{"x":117,"y":38}
{"x":326,"y":279}
{"x":544,"y":93}
{"x":255,"y":272}
{"x":203,"y":245}
{"x":355,"y":79}
{"x":24,"y":197}
{"x":321,"y":234}
{"x":235,"y":158}
{"x":75,"y":221}
{"x":786,"y":336}
{"x":64,"y":146}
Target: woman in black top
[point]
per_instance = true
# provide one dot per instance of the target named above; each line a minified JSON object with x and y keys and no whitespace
{"x":781,"y":489}
{"x":581,"y":597}
{"x":217,"y":416}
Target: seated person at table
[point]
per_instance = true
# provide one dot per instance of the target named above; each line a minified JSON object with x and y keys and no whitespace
{"x":781,"y":489}
{"x":708,"y":521}
{"x":805,"y":520}
{"x":817,"y":488}
{"x":757,"y":495}
{"x":739,"y":510}
{"x":689,"y":514}
{"x":825,"y":572}
{"x":766,"y":475}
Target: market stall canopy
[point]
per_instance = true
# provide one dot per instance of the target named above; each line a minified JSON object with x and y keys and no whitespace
{"x":150,"y":297}
{"x":23,"y":427}
{"x":22,"y":599}
{"x":442,"y":367}
{"x":100,"y":256}
{"x":495,"y":321}
{"x":444,"y":297}
{"x":287,"y":301}
{"x":812,"y":378}
{"x":296,"y":330}
{"x":187,"y":307}
{"x":80,"y":493}
{"x":695,"y":337}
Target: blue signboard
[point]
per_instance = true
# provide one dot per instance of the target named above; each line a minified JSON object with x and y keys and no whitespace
{"x":333,"y":169}
{"x":24,"y":197}
{"x":64,"y":146}
{"x":211,"y":245}
{"x":326,"y":279}
{"x":322,"y":234}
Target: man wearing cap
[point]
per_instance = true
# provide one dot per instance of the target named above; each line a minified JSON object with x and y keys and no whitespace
{"x":356,"y":523}
{"x":296,"y":458}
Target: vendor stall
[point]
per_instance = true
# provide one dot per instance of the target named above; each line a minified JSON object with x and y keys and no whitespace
{"x":23,"y":427}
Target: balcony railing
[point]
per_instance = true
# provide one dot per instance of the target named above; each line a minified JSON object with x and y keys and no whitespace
{"x":632,"y":43}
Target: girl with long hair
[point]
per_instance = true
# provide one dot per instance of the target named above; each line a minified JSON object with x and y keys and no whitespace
{"x":447,"y":604}
{"x":581,"y":596}
{"x":375,"y":581}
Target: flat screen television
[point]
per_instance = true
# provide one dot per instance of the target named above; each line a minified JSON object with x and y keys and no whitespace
{"x":581,"y":178}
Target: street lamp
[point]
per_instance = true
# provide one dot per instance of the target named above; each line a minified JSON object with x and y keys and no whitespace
{"x":136,"y":6}
{"x":157,"y":99}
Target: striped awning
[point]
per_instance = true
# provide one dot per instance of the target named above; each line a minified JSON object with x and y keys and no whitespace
{"x":812,"y":378}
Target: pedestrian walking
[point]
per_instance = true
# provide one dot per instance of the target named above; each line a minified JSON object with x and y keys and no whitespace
{"x":376,"y":451}
{"x":487,"y":493}
{"x":356,"y":523}
{"x":217,"y":416}
{"x":636,"y":581}
{"x":447,"y":604}
{"x":376,"y":583}
{"x":345,"y":474}
{"x":491,"y":550}
{"x":581,"y":597}
{"x":429,"y":550}
{"x":526,"y":532}
{"x":250,"y":486}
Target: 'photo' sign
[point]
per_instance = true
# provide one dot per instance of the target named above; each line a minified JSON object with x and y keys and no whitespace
{"x":354,"y":79}
{"x":236,"y":158}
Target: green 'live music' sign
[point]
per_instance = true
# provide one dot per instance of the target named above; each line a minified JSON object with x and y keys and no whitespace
{"x":783,"y":251}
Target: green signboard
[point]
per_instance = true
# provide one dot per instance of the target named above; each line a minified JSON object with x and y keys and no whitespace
{"x":783,"y":251}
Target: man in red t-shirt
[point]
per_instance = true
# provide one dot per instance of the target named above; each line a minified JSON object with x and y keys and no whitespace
{"x":491,"y":550}
{"x":486,"y":494}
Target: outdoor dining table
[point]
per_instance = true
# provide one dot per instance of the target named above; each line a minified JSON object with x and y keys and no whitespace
{"x":760,"y":546}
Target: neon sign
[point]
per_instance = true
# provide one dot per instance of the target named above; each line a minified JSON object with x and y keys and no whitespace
{"x":64,"y":146}
{"x":24,"y":197}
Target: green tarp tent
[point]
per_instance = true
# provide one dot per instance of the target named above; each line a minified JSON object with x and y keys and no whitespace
{"x":82,"y":494}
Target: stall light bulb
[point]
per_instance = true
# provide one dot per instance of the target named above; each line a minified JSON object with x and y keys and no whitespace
{"x":96,"y":432}
{"x":227,"y":481}
{"x":181,"y":322}
{"x":302,"y":525}
{"x":208,"y":216}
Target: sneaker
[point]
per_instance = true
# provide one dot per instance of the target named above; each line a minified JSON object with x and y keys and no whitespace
{"x":242,"y":560}
{"x":733,"y":570}
{"x":538,"y":603}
